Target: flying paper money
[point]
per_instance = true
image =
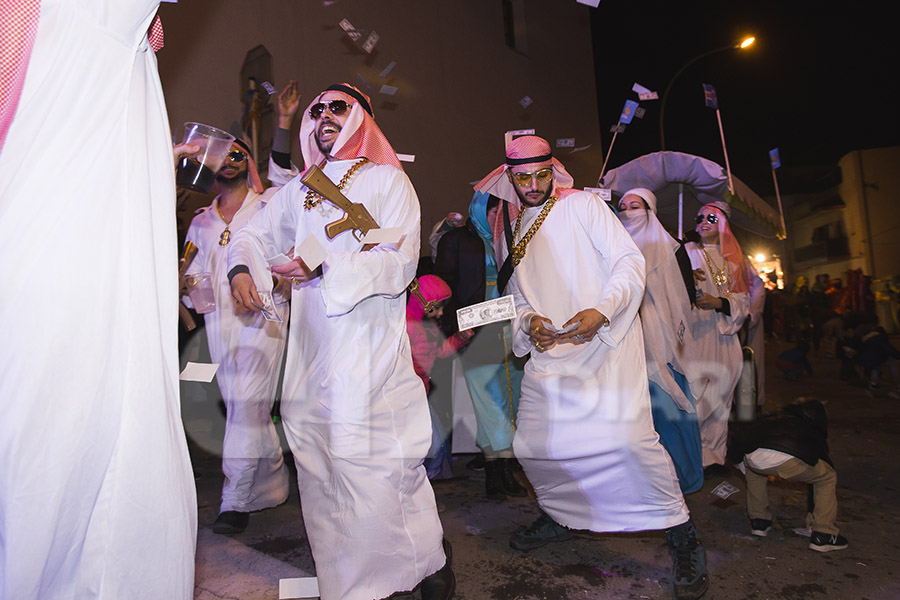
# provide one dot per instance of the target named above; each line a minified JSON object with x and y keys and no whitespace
{"x":492,"y":311}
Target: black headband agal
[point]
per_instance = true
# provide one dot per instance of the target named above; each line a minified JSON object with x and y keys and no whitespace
{"x":353,"y":94}
{"x":243,"y":145}
{"x":529,"y":160}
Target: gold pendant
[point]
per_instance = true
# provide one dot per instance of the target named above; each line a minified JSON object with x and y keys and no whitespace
{"x":225,"y":237}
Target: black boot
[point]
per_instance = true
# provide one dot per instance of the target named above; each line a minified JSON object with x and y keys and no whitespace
{"x":493,"y":479}
{"x":511,"y":485}
{"x":440,"y":585}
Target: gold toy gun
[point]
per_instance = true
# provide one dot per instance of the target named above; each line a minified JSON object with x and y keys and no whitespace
{"x":357,"y":218}
{"x":190,"y":252}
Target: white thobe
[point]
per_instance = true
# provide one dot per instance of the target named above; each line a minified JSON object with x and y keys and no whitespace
{"x":96,"y":492}
{"x":584,"y":435}
{"x":718,"y":351}
{"x":248,"y":350}
{"x":354,"y":411}
{"x":756,"y":334}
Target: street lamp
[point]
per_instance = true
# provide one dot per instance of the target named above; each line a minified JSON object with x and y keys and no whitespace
{"x":745,"y":43}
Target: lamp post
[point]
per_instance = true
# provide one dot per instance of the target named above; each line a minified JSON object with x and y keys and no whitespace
{"x":745,"y":43}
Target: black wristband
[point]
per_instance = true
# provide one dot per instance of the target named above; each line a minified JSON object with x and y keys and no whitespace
{"x":236,"y":270}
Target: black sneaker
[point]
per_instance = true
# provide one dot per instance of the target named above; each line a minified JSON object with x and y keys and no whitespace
{"x":760,"y":527}
{"x":689,"y":577}
{"x":540,"y":533}
{"x":826,"y":542}
{"x":231,"y":522}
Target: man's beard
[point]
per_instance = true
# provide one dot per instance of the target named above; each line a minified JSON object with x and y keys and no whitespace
{"x":327,"y":147}
{"x":526,"y":201}
{"x":232,"y":182}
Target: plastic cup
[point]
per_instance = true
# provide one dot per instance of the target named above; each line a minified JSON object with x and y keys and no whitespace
{"x":198,"y":171}
{"x":200,"y":291}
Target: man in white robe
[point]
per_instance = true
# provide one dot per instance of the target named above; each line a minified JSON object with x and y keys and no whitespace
{"x":721,"y":278}
{"x":354,"y":411}
{"x":585,"y":436}
{"x":96,"y":493}
{"x":247,"y":347}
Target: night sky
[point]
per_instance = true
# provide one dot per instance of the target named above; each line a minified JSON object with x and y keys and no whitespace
{"x":820,"y":81}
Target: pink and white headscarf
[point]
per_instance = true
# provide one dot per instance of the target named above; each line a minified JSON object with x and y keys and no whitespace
{"x":526,"y":150}
{"x":253,"y":180}
{"x":359,"y":137}
{"x":731,"y":249}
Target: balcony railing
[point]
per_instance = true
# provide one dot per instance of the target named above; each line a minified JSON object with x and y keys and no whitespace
{"x":832,"y":249}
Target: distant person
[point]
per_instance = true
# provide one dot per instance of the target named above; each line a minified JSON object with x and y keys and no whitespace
{"x":723,"y":300}
{"x":791,"y":444}
{"x":793,"y":362}
{"x":666,"y":320}
{"x":465,"y":260}
{"x":424,"y":309}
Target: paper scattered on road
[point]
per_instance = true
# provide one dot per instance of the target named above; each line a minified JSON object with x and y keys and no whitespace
{"x":724,"y":489}
{"x":203,"y":372}
{"x":298,"y":587}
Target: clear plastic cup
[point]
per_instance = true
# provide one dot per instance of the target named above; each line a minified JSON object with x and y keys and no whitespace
{"x":200,"y":291}
{"x":198,"y":171}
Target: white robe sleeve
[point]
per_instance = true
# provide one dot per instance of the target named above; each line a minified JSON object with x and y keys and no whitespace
{"x":193,"y":235}
{"x":348,"y":278}
{"x":279,"y":176}
{"x":740,"y":307}
{"x":624,"y":289}
{"x":270,"y":232}
{"x":522,"y":322}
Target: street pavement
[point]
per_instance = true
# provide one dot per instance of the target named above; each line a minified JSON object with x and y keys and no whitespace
{"x":865,"y":446}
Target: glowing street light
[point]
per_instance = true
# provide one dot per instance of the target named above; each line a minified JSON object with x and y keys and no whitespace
{"x":760,"y":258}
{"x":743,"y":44}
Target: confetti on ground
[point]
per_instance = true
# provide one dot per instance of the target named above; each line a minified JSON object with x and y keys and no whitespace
{"x":473,"y":530}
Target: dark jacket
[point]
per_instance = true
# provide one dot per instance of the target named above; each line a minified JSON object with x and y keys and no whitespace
{"x":800,"y":429}
{"x":460,"y":262}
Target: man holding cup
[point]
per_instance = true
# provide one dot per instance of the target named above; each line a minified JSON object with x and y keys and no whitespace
{"x":354,"y":411}
{"x":248,"y":346}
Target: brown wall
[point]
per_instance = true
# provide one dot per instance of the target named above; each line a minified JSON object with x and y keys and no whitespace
{"x":459,"y":83}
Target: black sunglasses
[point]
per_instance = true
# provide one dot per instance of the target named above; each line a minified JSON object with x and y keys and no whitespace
{"x":336,"y":107}
{"x":710,"y":218}
{"x":236,"y":156}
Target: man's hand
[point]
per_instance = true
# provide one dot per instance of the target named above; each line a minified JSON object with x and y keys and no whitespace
{"x":182,"y":150}
{"x":288,"y":104}
{"x":542,"y":338}
{"x":243,"y":292}
{"x":709,"y":302}
{"x":699,"y":275}
{"x":591,"y":322}
{"x":296,"y":271}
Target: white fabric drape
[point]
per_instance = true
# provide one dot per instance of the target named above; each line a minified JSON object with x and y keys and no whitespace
{"x":96,"y":492}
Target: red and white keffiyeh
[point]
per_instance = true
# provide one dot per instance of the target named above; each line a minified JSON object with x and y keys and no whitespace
{"x":526,"y":150}
{"x":18,"y":28}
{"x":359,"y":137}
{"x":253,"y":180}
{"x":731,"y":249}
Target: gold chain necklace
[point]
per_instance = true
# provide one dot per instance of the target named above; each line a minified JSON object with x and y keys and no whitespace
{"x":720,"y":277}
{"x":313,"y":199}
{"x":518,"y":252}
{"x":226,"y":235}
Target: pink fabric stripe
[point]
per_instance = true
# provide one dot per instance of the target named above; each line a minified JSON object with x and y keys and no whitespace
{"x":18,"y":28}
